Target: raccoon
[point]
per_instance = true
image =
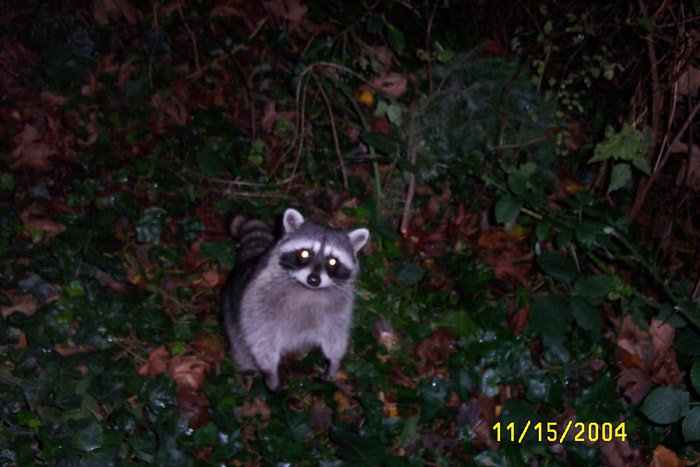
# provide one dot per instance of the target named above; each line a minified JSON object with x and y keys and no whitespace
{"x":290,"y":295}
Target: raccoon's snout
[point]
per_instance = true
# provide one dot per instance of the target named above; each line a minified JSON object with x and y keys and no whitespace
{"x":313,"y":279}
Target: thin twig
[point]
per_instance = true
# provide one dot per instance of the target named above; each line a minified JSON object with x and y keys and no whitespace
{"x":412,"y":151}
{"x":334,"y":132}
{"x":193,"y":38}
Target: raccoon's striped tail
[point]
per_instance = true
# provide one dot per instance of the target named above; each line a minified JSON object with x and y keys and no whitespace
{"x":253,"y":235}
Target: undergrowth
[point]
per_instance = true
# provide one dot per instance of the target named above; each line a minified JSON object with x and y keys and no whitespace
{"x":504,"y":287}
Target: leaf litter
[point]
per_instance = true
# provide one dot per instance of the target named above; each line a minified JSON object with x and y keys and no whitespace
{"x":109,"y":329}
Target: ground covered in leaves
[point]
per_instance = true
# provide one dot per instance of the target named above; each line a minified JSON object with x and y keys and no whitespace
{"x":509,"y":310}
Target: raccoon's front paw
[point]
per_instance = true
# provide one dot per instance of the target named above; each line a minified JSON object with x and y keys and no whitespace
{"x":272,"y":381}
{"x":328,"y":376}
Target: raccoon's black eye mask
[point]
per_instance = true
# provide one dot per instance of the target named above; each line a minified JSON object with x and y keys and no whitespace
{"x":297,"y":259}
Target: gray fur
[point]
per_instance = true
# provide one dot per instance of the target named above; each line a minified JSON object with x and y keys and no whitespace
{"x":270,"y":309}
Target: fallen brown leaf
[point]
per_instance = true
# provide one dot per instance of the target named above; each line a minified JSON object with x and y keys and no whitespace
{"x":102,"y":9}
{"x":21,"y":341}
{"x":320,"y":416}
{"x":158,"y":361}
{"x":252,"y":409}
{"x":25,"y":304}
{"x":292,"y":11}
{"x":394,"y":84}
{"x":507,"y":254}
{"x":634,"y":383}
{"x":31,"y":153}
{"x":650,"y":352}
{"x":433,"y":353}
{"x":188,"y":372}
{"x":617,"y":453}
{"x":270,"y":116}
{"x":518,"y":320}
{"x":385,"y":334}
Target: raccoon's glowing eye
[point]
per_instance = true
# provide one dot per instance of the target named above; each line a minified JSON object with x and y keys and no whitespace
{"x":332,"y":262}
{"x":304,"y":255}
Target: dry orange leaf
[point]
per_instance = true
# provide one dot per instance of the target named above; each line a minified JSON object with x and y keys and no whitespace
{"x":390,"y":406}
{"x":188,"y":372}
{"x":344,"y":402}
{"x":664,"y":457}
{"x":365,"y":98}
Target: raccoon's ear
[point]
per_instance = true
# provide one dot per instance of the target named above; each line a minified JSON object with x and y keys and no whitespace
{"x":358,"y":238}
{"x":292,"y":220}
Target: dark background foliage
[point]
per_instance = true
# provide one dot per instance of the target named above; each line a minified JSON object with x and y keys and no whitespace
{"x":529,"y":174}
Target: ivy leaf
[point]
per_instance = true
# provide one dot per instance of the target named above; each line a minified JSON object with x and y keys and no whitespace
{"x":358,"y":449}
{"x":507,"y":208}
{"x":550,"y":316}
{"x":409,"y":273}
{"x":223,"y":251}
{"x":89,"y":437}
{"x":691,"y":425}
{"x":695,"y":376}
{"x":666,"y":405}
{"x":619,"y":177}
{"x":149,"y":225}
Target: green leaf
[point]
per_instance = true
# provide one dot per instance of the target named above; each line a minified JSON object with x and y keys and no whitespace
{"x":89,"y":437}
{"x":629,"y":144}
{"x":460,"y":322}
{"x":409,"y":273}
{"x":382,"y":142}
{"x":619,"y":177}
{"x":445,"y":56}
{"x":644,"y":23}
{"x":695,"y":376}
{"x":593,"y":287}
{"x":517,"y":182}
{"x":557,"y":266}
{"x":507,"y":208}
{"x":149,"y":225}
{"x":223,"y":251}
{"x":7,"y":182}
{"x":396,"y":39}
{"x":691,"y":425}
{"x":374,"y":24}
{"x":358,"y":449}
{"x":640,"y":162}
{"x":666,"y":405}
{"x":29,"y":419}
{"x":550,"y":316}
{"x":587,"y":316}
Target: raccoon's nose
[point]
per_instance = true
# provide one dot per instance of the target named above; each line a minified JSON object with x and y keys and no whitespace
{"x":313,"y":280}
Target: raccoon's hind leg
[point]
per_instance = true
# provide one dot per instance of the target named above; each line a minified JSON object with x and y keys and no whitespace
{"x":241,"y":355}
{"x":267,"y":359}
{"x":334,"y":350}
